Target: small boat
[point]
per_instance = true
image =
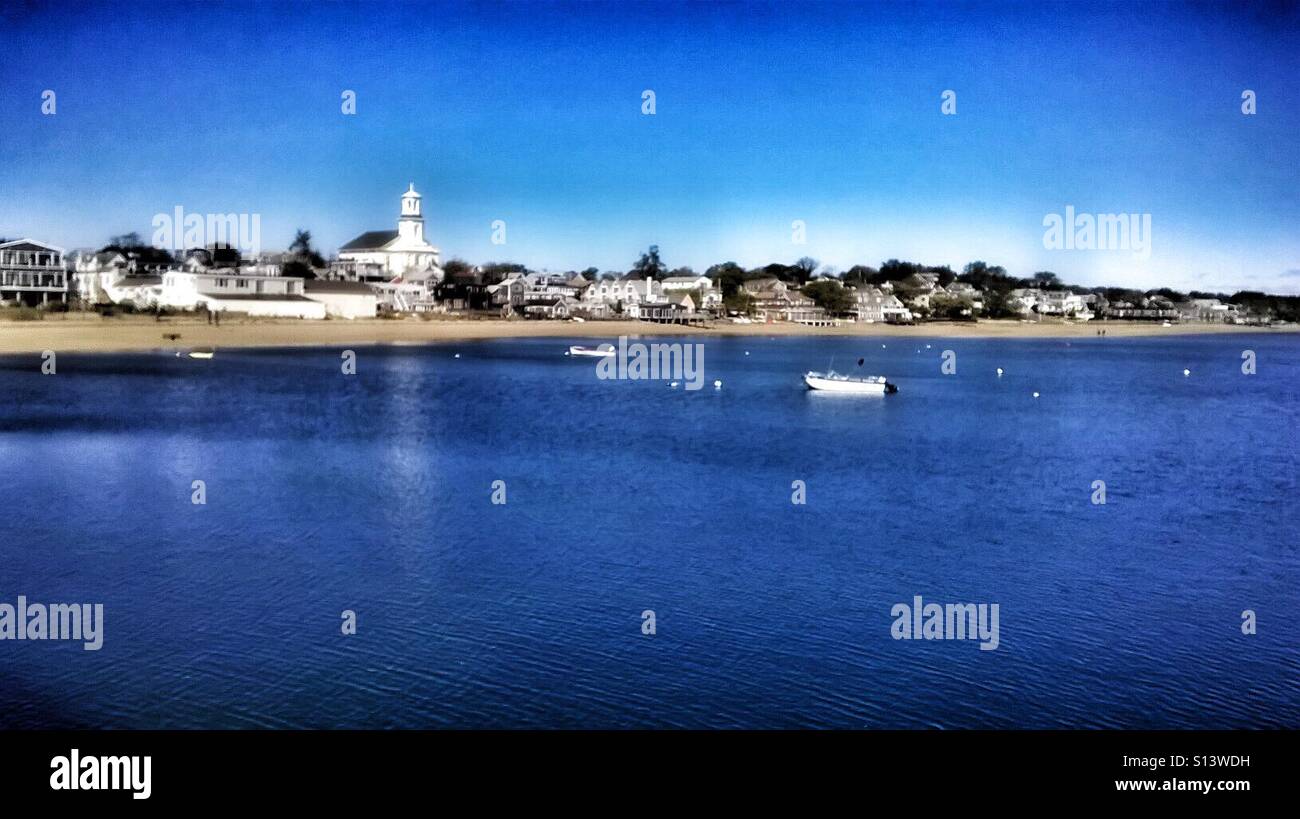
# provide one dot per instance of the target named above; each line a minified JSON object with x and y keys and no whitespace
{"x":602,"y":351}
{"x":202,"y":352}
{"x":832,"y":381}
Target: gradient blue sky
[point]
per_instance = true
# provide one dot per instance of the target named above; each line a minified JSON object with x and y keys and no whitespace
{"x":531,"y":113}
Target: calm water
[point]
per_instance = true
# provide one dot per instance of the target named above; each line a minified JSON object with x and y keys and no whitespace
{"x":372,"y":493}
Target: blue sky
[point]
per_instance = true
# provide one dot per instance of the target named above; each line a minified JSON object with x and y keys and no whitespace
{"x":765,"y":114}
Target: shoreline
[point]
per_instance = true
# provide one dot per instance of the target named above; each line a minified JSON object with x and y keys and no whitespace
{"x":93,"y":334}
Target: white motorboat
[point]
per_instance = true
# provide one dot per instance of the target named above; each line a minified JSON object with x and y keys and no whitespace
{"x":197,"y":352}
{"x":603,"y":351}
{"x":832,"y":381}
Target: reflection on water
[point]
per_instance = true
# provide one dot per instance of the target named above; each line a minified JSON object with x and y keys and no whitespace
{"x":372,"y":493}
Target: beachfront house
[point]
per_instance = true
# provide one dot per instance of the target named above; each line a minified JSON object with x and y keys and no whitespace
{"x":509,"y":295}
{"x":872,"y":305}
{"x":32,"y":272}
{"x":346,"y":300}
{"x":464,"y":291}
{"x":235,"y":292}
{"x":552,"y":307}
{"x":773,"y":300}
{"x":1063,"y":303}
{"x":705,"y":296}
{"x":1207,"y":310}
{"x":93,"y":273}
{"x":621,"y":296}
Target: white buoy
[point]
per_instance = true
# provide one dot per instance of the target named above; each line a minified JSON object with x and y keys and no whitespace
{"x":717,"y":385}
{"x":999,"y":372}
{"x":927,"y":346}
{"x":1186,"y":372}
{"x":747,"y":352}
{"x":673,"y":384}
{"x":882,"y":346}
{"x":457,"y":355}
{"x":1035,"y":395}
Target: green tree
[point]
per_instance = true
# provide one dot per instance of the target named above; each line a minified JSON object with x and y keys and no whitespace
{"x":456,"y":268}
{"x":861,"y":274}
{"x":999,"y":303}
{"x":297,"y":269}
{"x":496,"y":271}
{"x":830,"y":296}
{"x":894,"y":270}
{"x":1047,"y":280}
{"x":727,"y":277}
{"x":805,"y":268}
{"x":957,"y":308}
{"x":303,"y":251}
{"x":131,"y":246}
{"x":650,"y":266}
{"x":738,"y":301}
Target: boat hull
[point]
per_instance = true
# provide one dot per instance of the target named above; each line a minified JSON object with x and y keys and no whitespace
{"x":848,"y":386}
{"x":594,"y":352}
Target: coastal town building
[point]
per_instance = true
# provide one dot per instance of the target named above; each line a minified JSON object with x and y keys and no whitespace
{"x":872,"y":305}
{"x":1031,"y":300}
{"x":773,"y":300}
{"x":967,"y":292}
{"x":1149,"y":308}
{"x":509,"y":295}
{"x":218,"y":291}
{"x":93,"y":273}
{"x":622,"y":297}
{"x":388,"y":255}
{"x":1208,"y":310}
{"x":342,"y":299}
{"x":552,"y":307}
{"x":705,"y":296}
{"x":919,"y":289}
{"x":32,"y":272}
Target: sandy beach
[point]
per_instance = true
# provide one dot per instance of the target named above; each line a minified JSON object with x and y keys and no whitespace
{"x":91,"y":333}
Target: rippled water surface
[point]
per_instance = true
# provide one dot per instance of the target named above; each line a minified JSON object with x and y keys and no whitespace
{"x":372,"y":493}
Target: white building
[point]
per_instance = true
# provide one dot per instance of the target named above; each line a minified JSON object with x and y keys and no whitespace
{"x":389,"y":255}
{"x":872,"y":305}
{"x":31,"y":272}
{"x":1051,"y":303}
{"x":707,"y":295}
{"x":608,"y":297}
{"x":265,"y":296}
{"x":93,"y":273}
{"x":349,"y":300}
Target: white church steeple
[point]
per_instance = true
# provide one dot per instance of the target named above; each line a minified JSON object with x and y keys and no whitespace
{"x":411,"y":202}
{"x":411,"y":225}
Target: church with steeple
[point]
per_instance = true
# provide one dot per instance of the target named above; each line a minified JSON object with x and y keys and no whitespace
{"x":387,"y":255}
